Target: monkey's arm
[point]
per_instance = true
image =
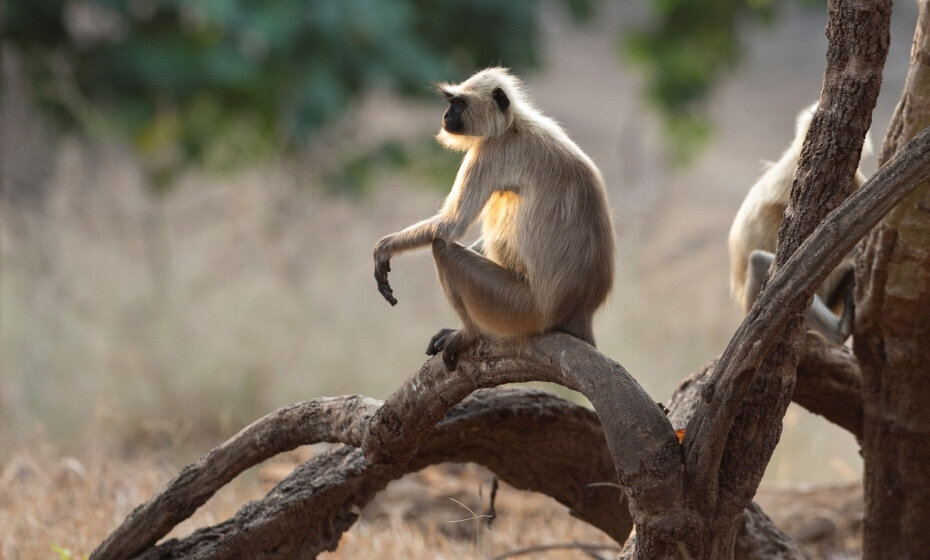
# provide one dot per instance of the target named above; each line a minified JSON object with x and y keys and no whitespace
{"x":819,"y":316}
{"x":414,"y":236}
{"x":462,"y":207}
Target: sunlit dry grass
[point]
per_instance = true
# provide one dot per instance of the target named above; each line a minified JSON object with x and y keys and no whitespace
{"x":51,"y":500}
{"x":48,"y":500}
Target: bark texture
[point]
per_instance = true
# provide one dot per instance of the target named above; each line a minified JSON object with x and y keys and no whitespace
{"x":829,"y":383}
{"x":892,"y":335}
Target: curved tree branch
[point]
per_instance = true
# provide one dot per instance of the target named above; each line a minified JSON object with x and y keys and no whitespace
{"x":830,"y":384}
{"x":643,"y":446}
{"x":337,"y":419}
{"x":531,"y":439}
{"x":642,"y":442}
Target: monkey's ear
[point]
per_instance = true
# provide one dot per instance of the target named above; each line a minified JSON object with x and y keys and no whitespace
{"x":501,"y":99}
{"x":444,"y":89}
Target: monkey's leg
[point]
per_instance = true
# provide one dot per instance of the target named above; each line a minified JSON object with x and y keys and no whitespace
{"x":844,"y":294}
{"x":756,"y":271}
{"x":843,"y":286}
{"x":819,"y":316}
{"x":824,"y":321}
{"x":486,"y":295}
{"x":439,"y":341}
{"x":452,"y":341}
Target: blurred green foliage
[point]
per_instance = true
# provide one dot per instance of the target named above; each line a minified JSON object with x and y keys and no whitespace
{"x":355,"y":171}
{"x":226,"y":82}
{"x":686,"y":48}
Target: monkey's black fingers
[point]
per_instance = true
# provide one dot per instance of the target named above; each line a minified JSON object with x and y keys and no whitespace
{"x":381,"y":270}
{"x":438,"y":341}
{"x":388,"y":293}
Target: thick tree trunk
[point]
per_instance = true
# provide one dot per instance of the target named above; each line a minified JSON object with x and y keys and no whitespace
{"x":892,"y":342}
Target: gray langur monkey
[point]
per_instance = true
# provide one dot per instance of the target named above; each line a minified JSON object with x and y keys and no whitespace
{"x":754,"y":235}
{"x":545,"y":258}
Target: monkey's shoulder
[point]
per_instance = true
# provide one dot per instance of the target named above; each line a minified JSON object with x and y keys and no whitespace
{"x":540,"y":152}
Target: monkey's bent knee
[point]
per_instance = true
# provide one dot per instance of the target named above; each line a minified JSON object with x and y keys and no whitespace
{"x":446,"y":248}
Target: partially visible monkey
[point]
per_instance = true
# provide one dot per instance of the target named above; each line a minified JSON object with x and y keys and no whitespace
{"x":754,"y":235}
{"x":545,"y":259}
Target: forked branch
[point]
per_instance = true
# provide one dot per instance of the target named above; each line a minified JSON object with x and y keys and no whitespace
{"x":821,"y":251}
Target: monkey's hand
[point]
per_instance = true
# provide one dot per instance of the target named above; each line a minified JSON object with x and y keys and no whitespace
{"x":382,"y":267}
{"x":381,"y":271}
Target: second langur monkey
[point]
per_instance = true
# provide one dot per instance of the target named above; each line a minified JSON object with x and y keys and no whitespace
{"x":754,"y":235}
{"x":545,"y":259}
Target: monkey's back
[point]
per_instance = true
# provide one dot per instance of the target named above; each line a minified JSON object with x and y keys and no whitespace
{"x":754,"y":228}
{"x":756,"y":224}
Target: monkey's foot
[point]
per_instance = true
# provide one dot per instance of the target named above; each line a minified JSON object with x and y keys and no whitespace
{"x":451,"y":342}
{"x":438,"y":341}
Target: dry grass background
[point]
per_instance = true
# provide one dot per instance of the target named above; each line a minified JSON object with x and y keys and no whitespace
{"x":61,"y":506}
{"x":138,"y":330}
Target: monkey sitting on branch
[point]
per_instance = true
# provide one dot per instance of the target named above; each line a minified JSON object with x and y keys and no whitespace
{"x":754,"y":234}
{"x":545,"y":258}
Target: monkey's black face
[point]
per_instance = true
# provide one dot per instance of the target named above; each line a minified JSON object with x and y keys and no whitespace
{"x":453,"y":120}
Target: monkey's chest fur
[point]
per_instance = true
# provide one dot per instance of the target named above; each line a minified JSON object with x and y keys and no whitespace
{"x":499,"y":231}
